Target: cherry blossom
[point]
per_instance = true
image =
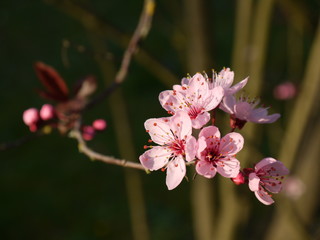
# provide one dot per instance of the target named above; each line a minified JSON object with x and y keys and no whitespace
{"x":173,"y":134}
{"x":244,"y":110}
{"x":266,"y":177}
{"x":218,"y":155}
{"x":225,"y":79}
{"x":195,"y":97}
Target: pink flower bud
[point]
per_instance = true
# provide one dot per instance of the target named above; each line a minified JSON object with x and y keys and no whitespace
{"x":47,"y":112}
{"x":99,"y":124}
{"x":33,"y":128}
{"x":88,"y":133}
{"x":30,"y":116}
{"x":239,"y":179}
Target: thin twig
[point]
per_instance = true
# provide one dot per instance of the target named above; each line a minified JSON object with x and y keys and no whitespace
{"x":19,"y":142}
{"x":140,"y":32}
{"x":83,"y":148}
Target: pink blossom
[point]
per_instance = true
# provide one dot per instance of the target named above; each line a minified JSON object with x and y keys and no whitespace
{"x":99,"y":124}
{"x":266,"y":177}
{"x":195,"y":97}
{"x":47,"y":112}
{"x":243,"y":110}
{"x":225,"y":79}
{"x":173,"y":134}
{"x":218,"y":155}
{"x":285,"y":91}
{"x":31,"y":118}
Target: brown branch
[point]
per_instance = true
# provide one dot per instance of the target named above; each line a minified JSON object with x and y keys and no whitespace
{"x":20,"y":141}
{"x":99,"y":26}
{"x":83,"y":148}
{"x":140,"y":32}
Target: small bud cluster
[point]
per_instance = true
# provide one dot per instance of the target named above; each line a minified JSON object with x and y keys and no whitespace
{"x":35,"y":119}
{"x":47,"y":116}
{"x":192,"y":105}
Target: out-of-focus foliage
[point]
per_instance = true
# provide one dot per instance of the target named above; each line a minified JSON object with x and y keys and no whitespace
{"x":51,"y":191}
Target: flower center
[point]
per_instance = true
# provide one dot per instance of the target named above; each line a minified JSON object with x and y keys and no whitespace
{"x":178,"y":147}
{"x":193,"y":112}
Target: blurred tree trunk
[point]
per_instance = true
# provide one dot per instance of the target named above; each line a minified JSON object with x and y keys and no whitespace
{"x":197,"y":60}
{"x":126,"y":148}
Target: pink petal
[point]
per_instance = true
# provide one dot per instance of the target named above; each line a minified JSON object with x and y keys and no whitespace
{"x":176,"y":170}
{"x":228,"y":104}
{"x":254,"y":181}
{"x":206,"y":169}
{"x":231,"y":144}
{"x":264,"y":197}
{"x":190,"y":148}
{"x":237,"y":87}
{"x":202,"y":144}
{"x":155,"y":158}
{"x":215,"y":97}
{"x":200,"y":120}
{"x":180,"y":125}
{"x":210,"y":133}
{"x":229,"y":168}
{"x":260,"y":115}
{"x":264,"y":162}
{"x":226,"y":76}
{"x":168,"y":100}
{"x":272,"y":185}
{"x":275,"y":169}
{"x":242,"y":110}
{"x":159,"y":131}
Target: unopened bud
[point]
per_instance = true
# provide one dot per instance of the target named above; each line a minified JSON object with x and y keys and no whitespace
{"x":47,"y":112}
{"x":99,"y":124}
{"x":88,"y":133}
{"x":239,"y":179}
{"x":30,"y":116}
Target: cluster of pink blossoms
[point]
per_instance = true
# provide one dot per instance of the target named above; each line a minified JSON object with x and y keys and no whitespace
{"x":190,"y":104}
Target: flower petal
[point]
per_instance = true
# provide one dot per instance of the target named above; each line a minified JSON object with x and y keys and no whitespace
{"x":234,"y":89}
{"x":180,"y":125}
{"x":264,"y":162}
{"x":231,"y":144}
{"x":176,"y":170}
{"x":228,"y":104}
{"x":206,"y":169}
{"x":190,"y":148}
{"x":159,"y":130}
{"x":264,"y":197}
{"x":155,"y":158}
{"x":254,"y":181}
{"x":200,"y":120}
{"x":229,"y":168}
{"x":214,"y":98}
{"x":202,"y":144}
{"x":272,"y":185}
{"x":242,"y":110}
{"x":260,"y":115}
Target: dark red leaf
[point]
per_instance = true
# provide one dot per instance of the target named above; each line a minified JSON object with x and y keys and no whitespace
{"x":56,"y":88}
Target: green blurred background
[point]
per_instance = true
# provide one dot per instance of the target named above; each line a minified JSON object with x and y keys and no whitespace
{"x":49,"y":190}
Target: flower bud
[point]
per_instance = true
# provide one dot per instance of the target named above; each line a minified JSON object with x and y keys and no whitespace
{"x":47,"y":112}
{"x":99,"y":124}
{"x":88,"y":133}
{"x":239,"y":179}
{"x":30,"y":116}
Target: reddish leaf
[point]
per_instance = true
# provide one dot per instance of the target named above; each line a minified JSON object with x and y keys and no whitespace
{"x":56,"y":88}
